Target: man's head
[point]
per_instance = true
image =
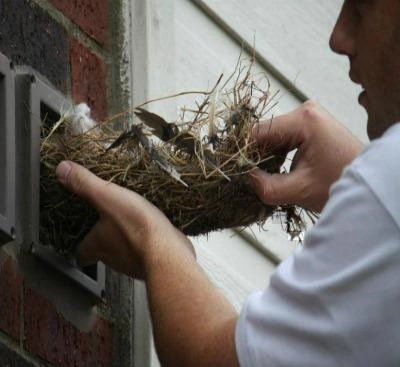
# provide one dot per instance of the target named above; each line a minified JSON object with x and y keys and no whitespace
{"x":368,"y":32}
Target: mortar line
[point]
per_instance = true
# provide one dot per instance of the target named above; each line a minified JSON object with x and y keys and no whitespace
{"x":74,"y":29}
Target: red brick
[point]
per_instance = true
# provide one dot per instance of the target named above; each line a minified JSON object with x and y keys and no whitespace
{"x":30,"y":36}
{"x":88,"y":74}
{"x":90,"y":15}
{"x":10,"y":298}
{"x":50,"y":336}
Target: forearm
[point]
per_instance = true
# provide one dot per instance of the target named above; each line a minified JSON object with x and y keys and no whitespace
{"x":193,"y":323}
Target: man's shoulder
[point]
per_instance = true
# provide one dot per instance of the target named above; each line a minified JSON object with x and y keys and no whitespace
{"x":378,"y":165}
{"x":381,"y":150}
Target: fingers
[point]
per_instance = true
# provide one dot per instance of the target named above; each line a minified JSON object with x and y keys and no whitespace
{"x":76,"y":179}
{"x":278,"y":189}
{"x":281,"y":133}
{"x":83,"y":183}
{"x":289,"y":130}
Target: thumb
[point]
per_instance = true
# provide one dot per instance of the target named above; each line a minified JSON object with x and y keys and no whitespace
{"x":278,"y":189}
{"x":81,"y":182}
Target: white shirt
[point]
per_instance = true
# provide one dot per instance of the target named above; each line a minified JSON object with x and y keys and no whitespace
{"x":336,"y":301}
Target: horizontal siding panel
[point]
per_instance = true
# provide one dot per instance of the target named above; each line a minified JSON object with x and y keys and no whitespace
{"x":227,"y":252}
{"x":204,"y":51}
{"x":293,"y":37}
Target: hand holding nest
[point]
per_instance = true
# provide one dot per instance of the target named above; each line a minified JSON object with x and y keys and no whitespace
{"x":134,"y":237}
{"x":324,"y":148}
{"x":130,"y":233}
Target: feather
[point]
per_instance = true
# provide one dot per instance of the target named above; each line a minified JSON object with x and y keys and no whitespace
{"x":167,"y":132}
{"x":155,"y":156}
{"x":161,"y":128}
{"x":210,"y":160}
{"x":167,"y":167}
{"x":120,"y":140}
{"x":212,"y":131}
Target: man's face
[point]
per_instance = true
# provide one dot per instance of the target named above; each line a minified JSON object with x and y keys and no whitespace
{"x":368,"y":32}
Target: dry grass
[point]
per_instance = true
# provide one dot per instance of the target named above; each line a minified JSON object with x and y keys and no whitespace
{"x":195,"y":170}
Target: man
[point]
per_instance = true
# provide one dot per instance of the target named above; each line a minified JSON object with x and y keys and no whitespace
{"x":335,"y":301}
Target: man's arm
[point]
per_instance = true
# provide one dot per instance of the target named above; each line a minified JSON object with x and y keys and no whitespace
{"x":193,"y":324}
{"x":324,"y":148}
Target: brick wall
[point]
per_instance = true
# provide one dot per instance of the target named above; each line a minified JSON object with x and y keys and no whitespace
{"x":67,"y":42}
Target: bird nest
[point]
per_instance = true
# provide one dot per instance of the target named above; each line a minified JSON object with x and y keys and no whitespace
{"x":195,"y":169}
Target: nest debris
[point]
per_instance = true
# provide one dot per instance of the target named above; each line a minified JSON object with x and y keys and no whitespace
{"x":195,"y":170}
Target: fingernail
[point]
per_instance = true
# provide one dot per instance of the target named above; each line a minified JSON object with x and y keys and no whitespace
{"x":63,"y":170}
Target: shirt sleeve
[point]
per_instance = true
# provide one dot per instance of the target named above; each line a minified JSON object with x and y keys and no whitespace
{"x":335,"y":301}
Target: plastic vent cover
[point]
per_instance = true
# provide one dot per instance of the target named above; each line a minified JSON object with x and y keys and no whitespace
{"x":40,"y":101}
{"x":7,"y":152}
